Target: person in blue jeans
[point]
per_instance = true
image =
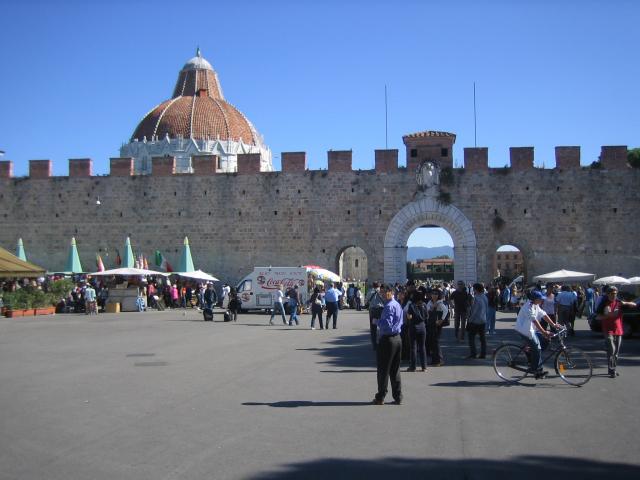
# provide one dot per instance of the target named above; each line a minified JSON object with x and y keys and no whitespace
{"x":294,"y":301}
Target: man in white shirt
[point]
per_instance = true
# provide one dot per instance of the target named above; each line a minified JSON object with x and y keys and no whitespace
{"x":528,"y":325}
{"x":278,"y":307}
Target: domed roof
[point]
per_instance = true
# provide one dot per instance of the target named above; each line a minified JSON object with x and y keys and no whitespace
{"x":197,"y":110}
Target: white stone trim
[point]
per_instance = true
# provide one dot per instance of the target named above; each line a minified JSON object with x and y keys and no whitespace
{"x":431,"y":212}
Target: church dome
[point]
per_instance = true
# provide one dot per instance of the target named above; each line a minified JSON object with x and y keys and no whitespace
{"x":197,"y":110}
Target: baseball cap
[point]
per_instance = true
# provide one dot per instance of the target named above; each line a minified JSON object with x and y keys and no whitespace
{"x":536,"y":295}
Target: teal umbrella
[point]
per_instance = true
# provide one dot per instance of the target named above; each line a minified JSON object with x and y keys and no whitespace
{"x":128,"y":261}
{"x":186,"y":262}
{"x":20,"y":251}
{"x":73,"y":260}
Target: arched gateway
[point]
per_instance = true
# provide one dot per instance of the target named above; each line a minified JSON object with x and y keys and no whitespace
{"x":429,"y":211}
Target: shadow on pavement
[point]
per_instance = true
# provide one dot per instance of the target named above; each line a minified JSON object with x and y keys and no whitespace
{"x":522,"y":468}
{"x":305,"y":403}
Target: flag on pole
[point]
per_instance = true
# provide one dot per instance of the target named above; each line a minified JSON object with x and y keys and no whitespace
{"x":99,"y":263}
{"x":118,"y":258}
{"x":162,"y":263}
{"x":146,"y":264}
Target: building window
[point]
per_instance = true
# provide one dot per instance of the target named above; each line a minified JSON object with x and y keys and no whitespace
{"x":414,"y":152}
{"x":219,"y":163}
{"x":444,"y":152}
{"x":356,"y":263}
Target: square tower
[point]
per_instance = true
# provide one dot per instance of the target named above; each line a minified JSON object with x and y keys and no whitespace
{"x":429,"y":145}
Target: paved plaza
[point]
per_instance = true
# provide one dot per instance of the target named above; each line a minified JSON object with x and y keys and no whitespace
{"x":163,"y":395}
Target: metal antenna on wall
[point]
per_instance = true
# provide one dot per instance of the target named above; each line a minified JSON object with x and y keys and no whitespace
{"x":475,"y":130}
{"x":386,"y":124}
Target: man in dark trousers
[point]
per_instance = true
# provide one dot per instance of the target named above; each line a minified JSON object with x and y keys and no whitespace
{"x":389,"y":348}
{"x":461,"y":302}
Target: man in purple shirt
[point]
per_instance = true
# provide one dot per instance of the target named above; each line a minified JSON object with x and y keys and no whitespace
{"x":389,"y":348}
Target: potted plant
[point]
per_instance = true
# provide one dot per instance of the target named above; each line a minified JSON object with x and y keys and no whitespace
{"x":42,"y":303}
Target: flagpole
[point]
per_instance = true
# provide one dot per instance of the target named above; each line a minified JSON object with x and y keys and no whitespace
{"x":475,"y":139}
{"x":386,"y":123}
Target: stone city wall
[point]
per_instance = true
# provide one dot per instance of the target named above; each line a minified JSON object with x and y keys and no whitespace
{"x":573,"y":217}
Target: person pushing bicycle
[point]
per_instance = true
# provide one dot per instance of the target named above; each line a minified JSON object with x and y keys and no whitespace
{"x":528,"y":326}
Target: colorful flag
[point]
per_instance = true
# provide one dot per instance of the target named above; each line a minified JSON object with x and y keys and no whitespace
{"x":162,"y":263}
{"x":146,"y":263}
{"x":118,"y":258}
{"x":99,"y":263}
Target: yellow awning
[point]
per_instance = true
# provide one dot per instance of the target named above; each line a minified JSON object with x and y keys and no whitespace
{"x":12,"y":266}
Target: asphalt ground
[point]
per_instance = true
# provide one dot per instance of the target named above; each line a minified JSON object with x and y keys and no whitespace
{"x":164,"y":395}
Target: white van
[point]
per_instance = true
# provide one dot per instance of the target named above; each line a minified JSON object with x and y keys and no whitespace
{"x":256,"y":289}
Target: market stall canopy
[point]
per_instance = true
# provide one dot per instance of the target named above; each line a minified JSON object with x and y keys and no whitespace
{"x":20,"y":251}
{"x":186,"y":262}
{"x":322,"y":273}
{"x":565,"y":276}
{"x":12,"y":266}
{"x":127,"y":272}
{"x":634,"y":281}
{"x":197,"y":275}
{"x":612,"y":280}
{"x":73,"y":259}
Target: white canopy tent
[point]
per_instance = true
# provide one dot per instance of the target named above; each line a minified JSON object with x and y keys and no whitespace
{"x":634,"y":281}
{"x":127,"y":272}
{"x":612,"y":280}
{"x":565,"y":276}
{"x":197,"y":275}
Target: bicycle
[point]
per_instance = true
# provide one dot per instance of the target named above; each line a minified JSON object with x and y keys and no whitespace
{"x":573,"y":366}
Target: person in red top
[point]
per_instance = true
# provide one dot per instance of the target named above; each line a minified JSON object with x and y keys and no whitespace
{"x":610,"y":314}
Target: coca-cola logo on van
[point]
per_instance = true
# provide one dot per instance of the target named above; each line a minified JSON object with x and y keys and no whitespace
{"x":245,"y":297}
{"x":274,"y":283}
{"x":260,"y":280}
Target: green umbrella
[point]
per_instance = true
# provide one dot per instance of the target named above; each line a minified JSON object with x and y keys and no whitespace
{"x":186,"y":262}
{"x":20,"y":251}
{"x":73,"y":260}
{"x":128,"y":261}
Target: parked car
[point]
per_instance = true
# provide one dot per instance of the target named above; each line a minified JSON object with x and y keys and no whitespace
{"x":630,"y":317}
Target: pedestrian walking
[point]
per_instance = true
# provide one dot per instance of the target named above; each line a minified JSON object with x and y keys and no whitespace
{"x":316,"y":307}
{"x":331,"y":298}
{"x":437,"y":313}
{"x":294,"y":301}
{"x":417,"y":316}
{"x":609,"y":313}
{"x":389,"y":349}
{"x":476,"y":325}
{"x":461,"y":302}
{"x":278,"y":307}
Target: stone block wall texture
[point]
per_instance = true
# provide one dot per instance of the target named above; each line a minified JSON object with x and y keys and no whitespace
{"x":386,"y":160}
{"x":80,"y":167}
{"x":204,"y":164}
{"x":121,"y":166}
{"x":339,"y":160}
{"x":476,"y":159}
{"x":6,"y":169}
{"x":294,"y":162}
{"x":614,"y":157}
{"x":163,"y":166}
{"x":236,"y":222}
{"x":248,"y":163}
{"x":40,"y":168}
{"x":567,"y":158}
{"x":521,"y":158}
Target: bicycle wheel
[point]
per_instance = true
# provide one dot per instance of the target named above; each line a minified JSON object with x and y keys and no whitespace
{"x":510,"y":362}
{"x":573,"y":366}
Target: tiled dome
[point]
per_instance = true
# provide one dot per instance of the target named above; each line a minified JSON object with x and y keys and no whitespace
{"x":197,"y":110}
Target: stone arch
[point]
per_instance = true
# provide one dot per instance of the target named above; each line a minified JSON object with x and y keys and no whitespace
{"x":362,"y":268}
{"x":428,"y":211}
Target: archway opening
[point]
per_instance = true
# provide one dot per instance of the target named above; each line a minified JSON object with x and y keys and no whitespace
{"x":353,"y":265}
{"x":430,"y":255}
{"x":508,"y":265}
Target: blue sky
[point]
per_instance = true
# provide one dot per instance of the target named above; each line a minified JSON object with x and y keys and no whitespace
{"x":78,"y":76}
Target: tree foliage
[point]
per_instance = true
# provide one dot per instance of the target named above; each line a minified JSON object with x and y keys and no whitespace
{"x":633,"y":156}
